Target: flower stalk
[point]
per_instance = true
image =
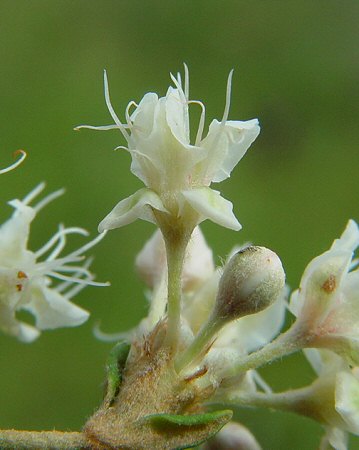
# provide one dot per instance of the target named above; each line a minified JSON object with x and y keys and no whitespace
{"x":43,"y":440}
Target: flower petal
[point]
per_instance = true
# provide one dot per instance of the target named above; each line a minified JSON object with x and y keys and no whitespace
{"x":227,"y":144}
{"x":53,"y":310}
{"x":210,"y":205}
{"x":137,"y":206}
{"x":347,"y":400}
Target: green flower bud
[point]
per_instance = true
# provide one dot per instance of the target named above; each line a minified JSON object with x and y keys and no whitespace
{"x":252,"y":280}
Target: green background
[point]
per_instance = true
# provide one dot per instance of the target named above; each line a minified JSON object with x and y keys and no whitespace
{"x":296,"y":69}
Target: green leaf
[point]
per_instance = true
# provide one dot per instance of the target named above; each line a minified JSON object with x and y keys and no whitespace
{"x":188,"y":431}
{"x":115,"y":364}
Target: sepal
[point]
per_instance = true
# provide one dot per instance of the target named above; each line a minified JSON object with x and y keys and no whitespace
{"x":188,"y":431}
{"x":211,"y":205}
{"x":137,"y":206}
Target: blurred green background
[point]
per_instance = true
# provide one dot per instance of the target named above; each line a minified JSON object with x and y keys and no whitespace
{"x":296,"y":68}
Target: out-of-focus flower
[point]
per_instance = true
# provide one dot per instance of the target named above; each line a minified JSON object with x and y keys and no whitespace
{"x":333,"y":397}
{"x":176,"y":169}
{"x":327,"y":302}
{"x":151,"y":262}
{"x":22,"y":154}
{"x":26,"y":281}
{"x":233,"y":436}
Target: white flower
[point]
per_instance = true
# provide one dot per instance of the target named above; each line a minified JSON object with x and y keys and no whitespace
{"x":177,"y":170}
{"x":327,"y":302}
{"x":233,"y":436}
{"x":26,"y":282}
{"x":334,"y":397}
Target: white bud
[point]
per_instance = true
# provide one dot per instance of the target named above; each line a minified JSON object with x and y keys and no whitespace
{"x":233,"y":436}
{"x":252,"y":280}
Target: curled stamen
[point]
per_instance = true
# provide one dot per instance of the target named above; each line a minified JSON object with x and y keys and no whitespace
{"x":201,"y":120}
{"x":112,"y":337}
{"x":228,"y":98}
{"x":111,"y":110}
{"x":16,"y":163}
{"x":127,"y":113}
{"x":59,"y":236}
{"x":85,"y":247}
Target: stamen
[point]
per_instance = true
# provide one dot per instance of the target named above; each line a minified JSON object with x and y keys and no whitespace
{"x":98,"y":128}
{"x":184,"y":100}
{"x":112,"y":111}
{"x":65,"y":284}
{"x":179,"y":79}
{"x":228,"y":98}
{"x":16,"y":163}
{"x":34,"y":193}
{"x":49,"y":198}
{"x":59,"y":236}
{"x":79,"y":270}
{"x":127,"y":114}
{"x":186,"y":81}
{"x":85,"y":247}
{"x":179,"y":88}
{"x":75,"y":290}
{"x":111,"y":337}
{"x":76,"y":280}
{"x":201,"y":120}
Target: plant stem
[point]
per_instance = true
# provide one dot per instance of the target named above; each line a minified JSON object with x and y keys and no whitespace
{"x":199,"y":344}
{"x":16,"y":439}
{"x":289,"y":401}
{"x":285,"y":344}
{"x":176,"y":244}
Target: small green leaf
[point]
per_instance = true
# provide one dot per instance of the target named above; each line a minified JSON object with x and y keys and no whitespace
{"x":115,"y":364}
{"x":188,"y":431}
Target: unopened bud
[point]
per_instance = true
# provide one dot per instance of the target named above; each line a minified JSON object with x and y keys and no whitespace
{"x":252,"y":280}
{"x":233,"y":436}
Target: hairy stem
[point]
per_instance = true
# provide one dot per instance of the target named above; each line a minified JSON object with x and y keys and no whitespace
{"x":289,"y":342}
{"x":176,"y":244}
{"x":17,"y":439}
{"x":199,"y":344}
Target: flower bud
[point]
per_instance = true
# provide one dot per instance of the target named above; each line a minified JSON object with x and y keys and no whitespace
{"x":233,"y":436}
{"x":252,"y":280}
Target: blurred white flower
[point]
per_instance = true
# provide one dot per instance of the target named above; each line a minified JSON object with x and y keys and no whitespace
{"x":327,"y":303}
{"x":151,"y":262}
{"x":26,"y":282}
{"x":176,"y":172}
{"x":233,"y":436}
{"x":334,"y":397}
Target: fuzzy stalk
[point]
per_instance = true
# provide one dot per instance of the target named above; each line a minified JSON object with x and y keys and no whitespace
{"x":18,"y":439}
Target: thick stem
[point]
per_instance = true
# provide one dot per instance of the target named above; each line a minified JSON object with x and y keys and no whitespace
{"x":15,"y":439}
{"x":176,"y":244}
